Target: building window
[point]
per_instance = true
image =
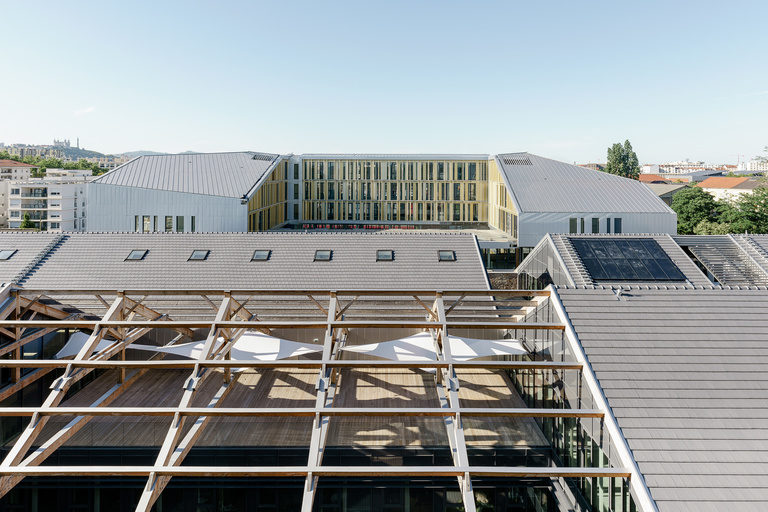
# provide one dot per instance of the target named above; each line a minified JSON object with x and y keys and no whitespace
{"x":608,"y":225}
{"x":261,"y":255}
{"x":154,"y":223}
{"x":295,"y":171}
{"x":6,"y":254}
{"x":595,"y":225}
{"x":168,"y":223}
{"x":192,"y":224}
{"x":296,"y":211}
{"x":573,"y":228}
{"x":385,"y":255}
{"x":179,"y":224}
{"x":147,"y":225}
{"x":617,"y":225}
{"x":137,"y":222}
{"x":199,"y":255}
{"x":582,"y":225}
{"x":136,"y":255}
{"x":15,"y":191}
{"x":446,"y":256}
{"x":295,"y":190}
{"x":323,"y":255}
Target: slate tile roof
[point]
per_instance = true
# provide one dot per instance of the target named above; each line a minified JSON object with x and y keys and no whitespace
{"x":685,"y":372}
{"x":91,"y":261}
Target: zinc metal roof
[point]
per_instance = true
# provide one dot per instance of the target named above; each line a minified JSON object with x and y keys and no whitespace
{"x":87,"y":261}
{"x":543,"y":185}
{"x":213,"y":174}
{"x":384,"y":156}
{"x":685,"y":373}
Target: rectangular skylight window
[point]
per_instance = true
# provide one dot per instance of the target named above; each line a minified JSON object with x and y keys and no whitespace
{"x":626,"y":259}
{"x":199,"y":255}
{"x":136,"y":255}
{"x":446,"y":255}
{"x":323,"y":255}
{"x":261,"y":255}
{"x":6,"y":254}
{"x":385,"y":255}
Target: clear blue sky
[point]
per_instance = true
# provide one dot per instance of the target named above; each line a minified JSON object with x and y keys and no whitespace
{"x":561,"y":79}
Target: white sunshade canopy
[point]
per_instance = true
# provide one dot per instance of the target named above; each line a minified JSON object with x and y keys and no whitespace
{"x":420,"y":347}
{"x":250,"y":346}
{"x":75,"y":344}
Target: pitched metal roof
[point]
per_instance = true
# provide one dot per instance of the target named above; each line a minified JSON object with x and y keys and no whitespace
{"x":543,"y":185}
{"x":394,"y":156}
{"x":685,"y":373}
{"x":86,"y":261}
{"x":213,"y":174}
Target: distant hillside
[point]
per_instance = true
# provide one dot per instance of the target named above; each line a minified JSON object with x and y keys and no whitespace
{"x":76,"y":154}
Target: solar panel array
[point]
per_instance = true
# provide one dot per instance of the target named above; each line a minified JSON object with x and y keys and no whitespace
{"x":626,"y":259}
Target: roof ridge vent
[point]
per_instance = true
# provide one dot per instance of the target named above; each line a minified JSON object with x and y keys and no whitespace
{"x":516,"y":160}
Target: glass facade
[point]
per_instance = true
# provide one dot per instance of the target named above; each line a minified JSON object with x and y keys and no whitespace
{"x":395,"y":191}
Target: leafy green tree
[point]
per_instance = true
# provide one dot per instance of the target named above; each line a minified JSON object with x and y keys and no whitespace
{"x":753,"y":212}
{"x":26,"y":223}
{"x":763,"y":158}
{"x":693,"y":205}
{"x":622,"y":161}
{"x":707,"y":227}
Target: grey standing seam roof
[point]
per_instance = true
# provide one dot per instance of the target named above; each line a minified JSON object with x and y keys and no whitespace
{"x":544,"y":185}
{"x":685,"y":373}
{"x":89,"y":261}
{"x":214,"y":174}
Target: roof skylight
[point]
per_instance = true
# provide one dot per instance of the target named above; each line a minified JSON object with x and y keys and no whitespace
{"x":385,"y":255}
{"x":199,"y":255}
{"x":261,"y":255}
{"x":323,"y":255}
{"x":137,"y":255}
{"x":446,"y":255}
{"x":6,"y":254}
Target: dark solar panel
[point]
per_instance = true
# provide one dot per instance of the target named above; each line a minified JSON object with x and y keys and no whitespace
{"x":626,"y":259}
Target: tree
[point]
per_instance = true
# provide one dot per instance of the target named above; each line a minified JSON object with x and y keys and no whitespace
{"x":26,"y":223}
{"x":693,"y":205}
{"x":763,"y":158}
{"x":622,"y":161}
{"x":753,"y":212}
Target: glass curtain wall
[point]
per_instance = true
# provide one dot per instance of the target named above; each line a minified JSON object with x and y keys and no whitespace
{"x":395,"y":191}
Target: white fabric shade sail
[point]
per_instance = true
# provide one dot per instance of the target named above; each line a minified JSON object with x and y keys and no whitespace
{"x":420,"y":347}
{"x":251,"y":346}
{"x":75,"y":344}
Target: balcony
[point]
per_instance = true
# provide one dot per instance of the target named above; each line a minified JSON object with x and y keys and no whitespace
{"x":34,"y":206}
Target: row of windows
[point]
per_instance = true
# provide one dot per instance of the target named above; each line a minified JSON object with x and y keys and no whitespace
{"x":376,"y":191}
{"x":575,"y":224}
{"x":366,"y":170}
{"x":263,"y":255}
{"x":149,"y":224}
{"x":349,"y":211}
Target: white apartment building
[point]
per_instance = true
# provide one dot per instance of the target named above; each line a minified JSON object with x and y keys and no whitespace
{"x":54,"y":204}
{"x":13,"y":170}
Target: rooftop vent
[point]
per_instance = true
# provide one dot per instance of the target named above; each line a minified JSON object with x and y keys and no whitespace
{"x":517,"y":160}
{"x":265,"y":158}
